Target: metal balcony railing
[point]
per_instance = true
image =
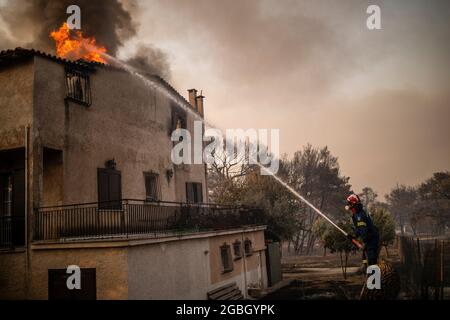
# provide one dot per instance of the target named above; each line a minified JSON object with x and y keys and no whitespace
{"x":125,"y":218}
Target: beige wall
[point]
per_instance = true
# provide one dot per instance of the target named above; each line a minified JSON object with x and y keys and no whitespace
{"x":16,"y":97}
{"x":169,"y":270}
{"x":189,"y":268}
{"x":190,"y":173}
{"x":254,"y":264}
{"x":16,"y":113}
{"x":127,"y":121}
{"x":178,"y":267}
{"x":13,"y":275}
{"x":110,"y":264}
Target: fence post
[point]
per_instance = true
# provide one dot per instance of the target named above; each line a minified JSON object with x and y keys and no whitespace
{"x":419,"y":272}
{"x":436,"y":270}
{"x":124,"y":213}
{"x":441,"y":282}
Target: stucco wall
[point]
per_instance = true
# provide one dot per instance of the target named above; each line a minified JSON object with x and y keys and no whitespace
{"x":189,"y":268}
{"x":16,"y":113}
{"x":169,"y":270}
{"x":12,"y":275}
{"x":16,"y":97}
{"x":257,"y":239}
{"x":128,"y":121}
{"x":178,"y":267}
{"x":110,"y":264}
{"x":193,"y":172}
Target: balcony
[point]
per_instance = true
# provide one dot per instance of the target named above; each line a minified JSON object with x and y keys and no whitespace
{"x":137,"y":218}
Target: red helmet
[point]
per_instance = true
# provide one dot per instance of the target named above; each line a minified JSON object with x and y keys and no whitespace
{"x":353,"y":200}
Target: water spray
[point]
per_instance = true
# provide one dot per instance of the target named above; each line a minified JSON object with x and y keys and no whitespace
{"x":157,"y":86}
{"x":299,"y":196}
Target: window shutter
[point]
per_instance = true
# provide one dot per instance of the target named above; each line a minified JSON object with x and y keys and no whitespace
{"x":225,"y":254}
{"x":194,"y":192}
{"x":109,"y":189}
{"x":190,"y":197}
{"x":115,"y":192}
{"x":199,"y":193}
{"x":103,"y":187}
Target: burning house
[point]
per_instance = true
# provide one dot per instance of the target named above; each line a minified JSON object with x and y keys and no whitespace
{"x":86,"y":179}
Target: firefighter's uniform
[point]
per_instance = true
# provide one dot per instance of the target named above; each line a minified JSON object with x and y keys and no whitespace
{"x":366,"y":230}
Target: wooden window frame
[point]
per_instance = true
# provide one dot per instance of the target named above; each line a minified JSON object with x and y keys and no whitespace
{"x":82,"y":94}
{"x":155,"y":176}
{"x":248,"y":243}
{"x":197,"y":192}
{"x":227,"y":266}
{"x":237,"y":245}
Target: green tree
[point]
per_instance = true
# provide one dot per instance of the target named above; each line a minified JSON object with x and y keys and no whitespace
{"x":320,"y":228}
{"x":335,"y":241}
{"x":368,"y":197}
{"x":402,"y":203}
{"x":315,"y":173}
{"x":434,"y":195}
{"x":386,"y":226}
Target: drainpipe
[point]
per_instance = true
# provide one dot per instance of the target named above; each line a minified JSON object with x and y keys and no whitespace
{"x":26,"y":218}
{"x":26,"y":184}
{"x":245,"y":266}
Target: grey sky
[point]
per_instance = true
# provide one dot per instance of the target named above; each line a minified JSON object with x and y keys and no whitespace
{"x":378,"y":99}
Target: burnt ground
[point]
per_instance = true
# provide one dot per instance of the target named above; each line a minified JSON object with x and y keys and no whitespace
{"x":320,"y":277}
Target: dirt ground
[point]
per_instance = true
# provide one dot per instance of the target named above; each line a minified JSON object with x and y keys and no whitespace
{"x":320,"y":277}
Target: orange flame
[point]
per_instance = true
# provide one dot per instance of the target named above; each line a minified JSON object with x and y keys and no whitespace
{"x":73,"y":46}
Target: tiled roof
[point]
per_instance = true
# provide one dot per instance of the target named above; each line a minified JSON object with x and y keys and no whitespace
{"x":21,"y":53}
{"x":17,"y":54}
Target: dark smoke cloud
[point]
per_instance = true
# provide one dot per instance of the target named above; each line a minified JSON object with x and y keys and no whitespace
{"x":150,"y":60}
{"x":111,"y":22}
{"x":378,"y":99}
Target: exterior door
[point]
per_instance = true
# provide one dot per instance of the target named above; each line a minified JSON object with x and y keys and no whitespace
{"x":12,"y":208}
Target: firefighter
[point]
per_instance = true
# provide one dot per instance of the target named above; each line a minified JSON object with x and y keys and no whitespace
{"x":364,"y":229}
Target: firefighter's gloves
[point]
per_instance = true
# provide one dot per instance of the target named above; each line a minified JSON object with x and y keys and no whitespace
{"x":350,"y":236}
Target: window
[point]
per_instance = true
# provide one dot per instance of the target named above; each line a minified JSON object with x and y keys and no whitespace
{"x":7,"y":199}
{"x":12,"y":198}
{"x":237,"y":250}
{"x":225,"y":254}
{"x":178,"y":119}
{"x":78,"y":87}
{"x":248,"y":247}
{"x":152,"y":190}
{"x":109,"y":189}
{"x":194,"y":192}
{"x":57,"y":285}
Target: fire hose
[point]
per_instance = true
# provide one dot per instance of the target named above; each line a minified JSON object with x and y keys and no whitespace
{"x":298,"y":195}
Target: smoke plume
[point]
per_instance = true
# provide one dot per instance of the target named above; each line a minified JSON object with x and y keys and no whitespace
{"x":150,"y":60}
{"x":28,"y":24}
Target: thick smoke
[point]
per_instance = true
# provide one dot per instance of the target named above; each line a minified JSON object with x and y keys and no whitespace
{"x":28,"y":23}
{"x":150,"y":60}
